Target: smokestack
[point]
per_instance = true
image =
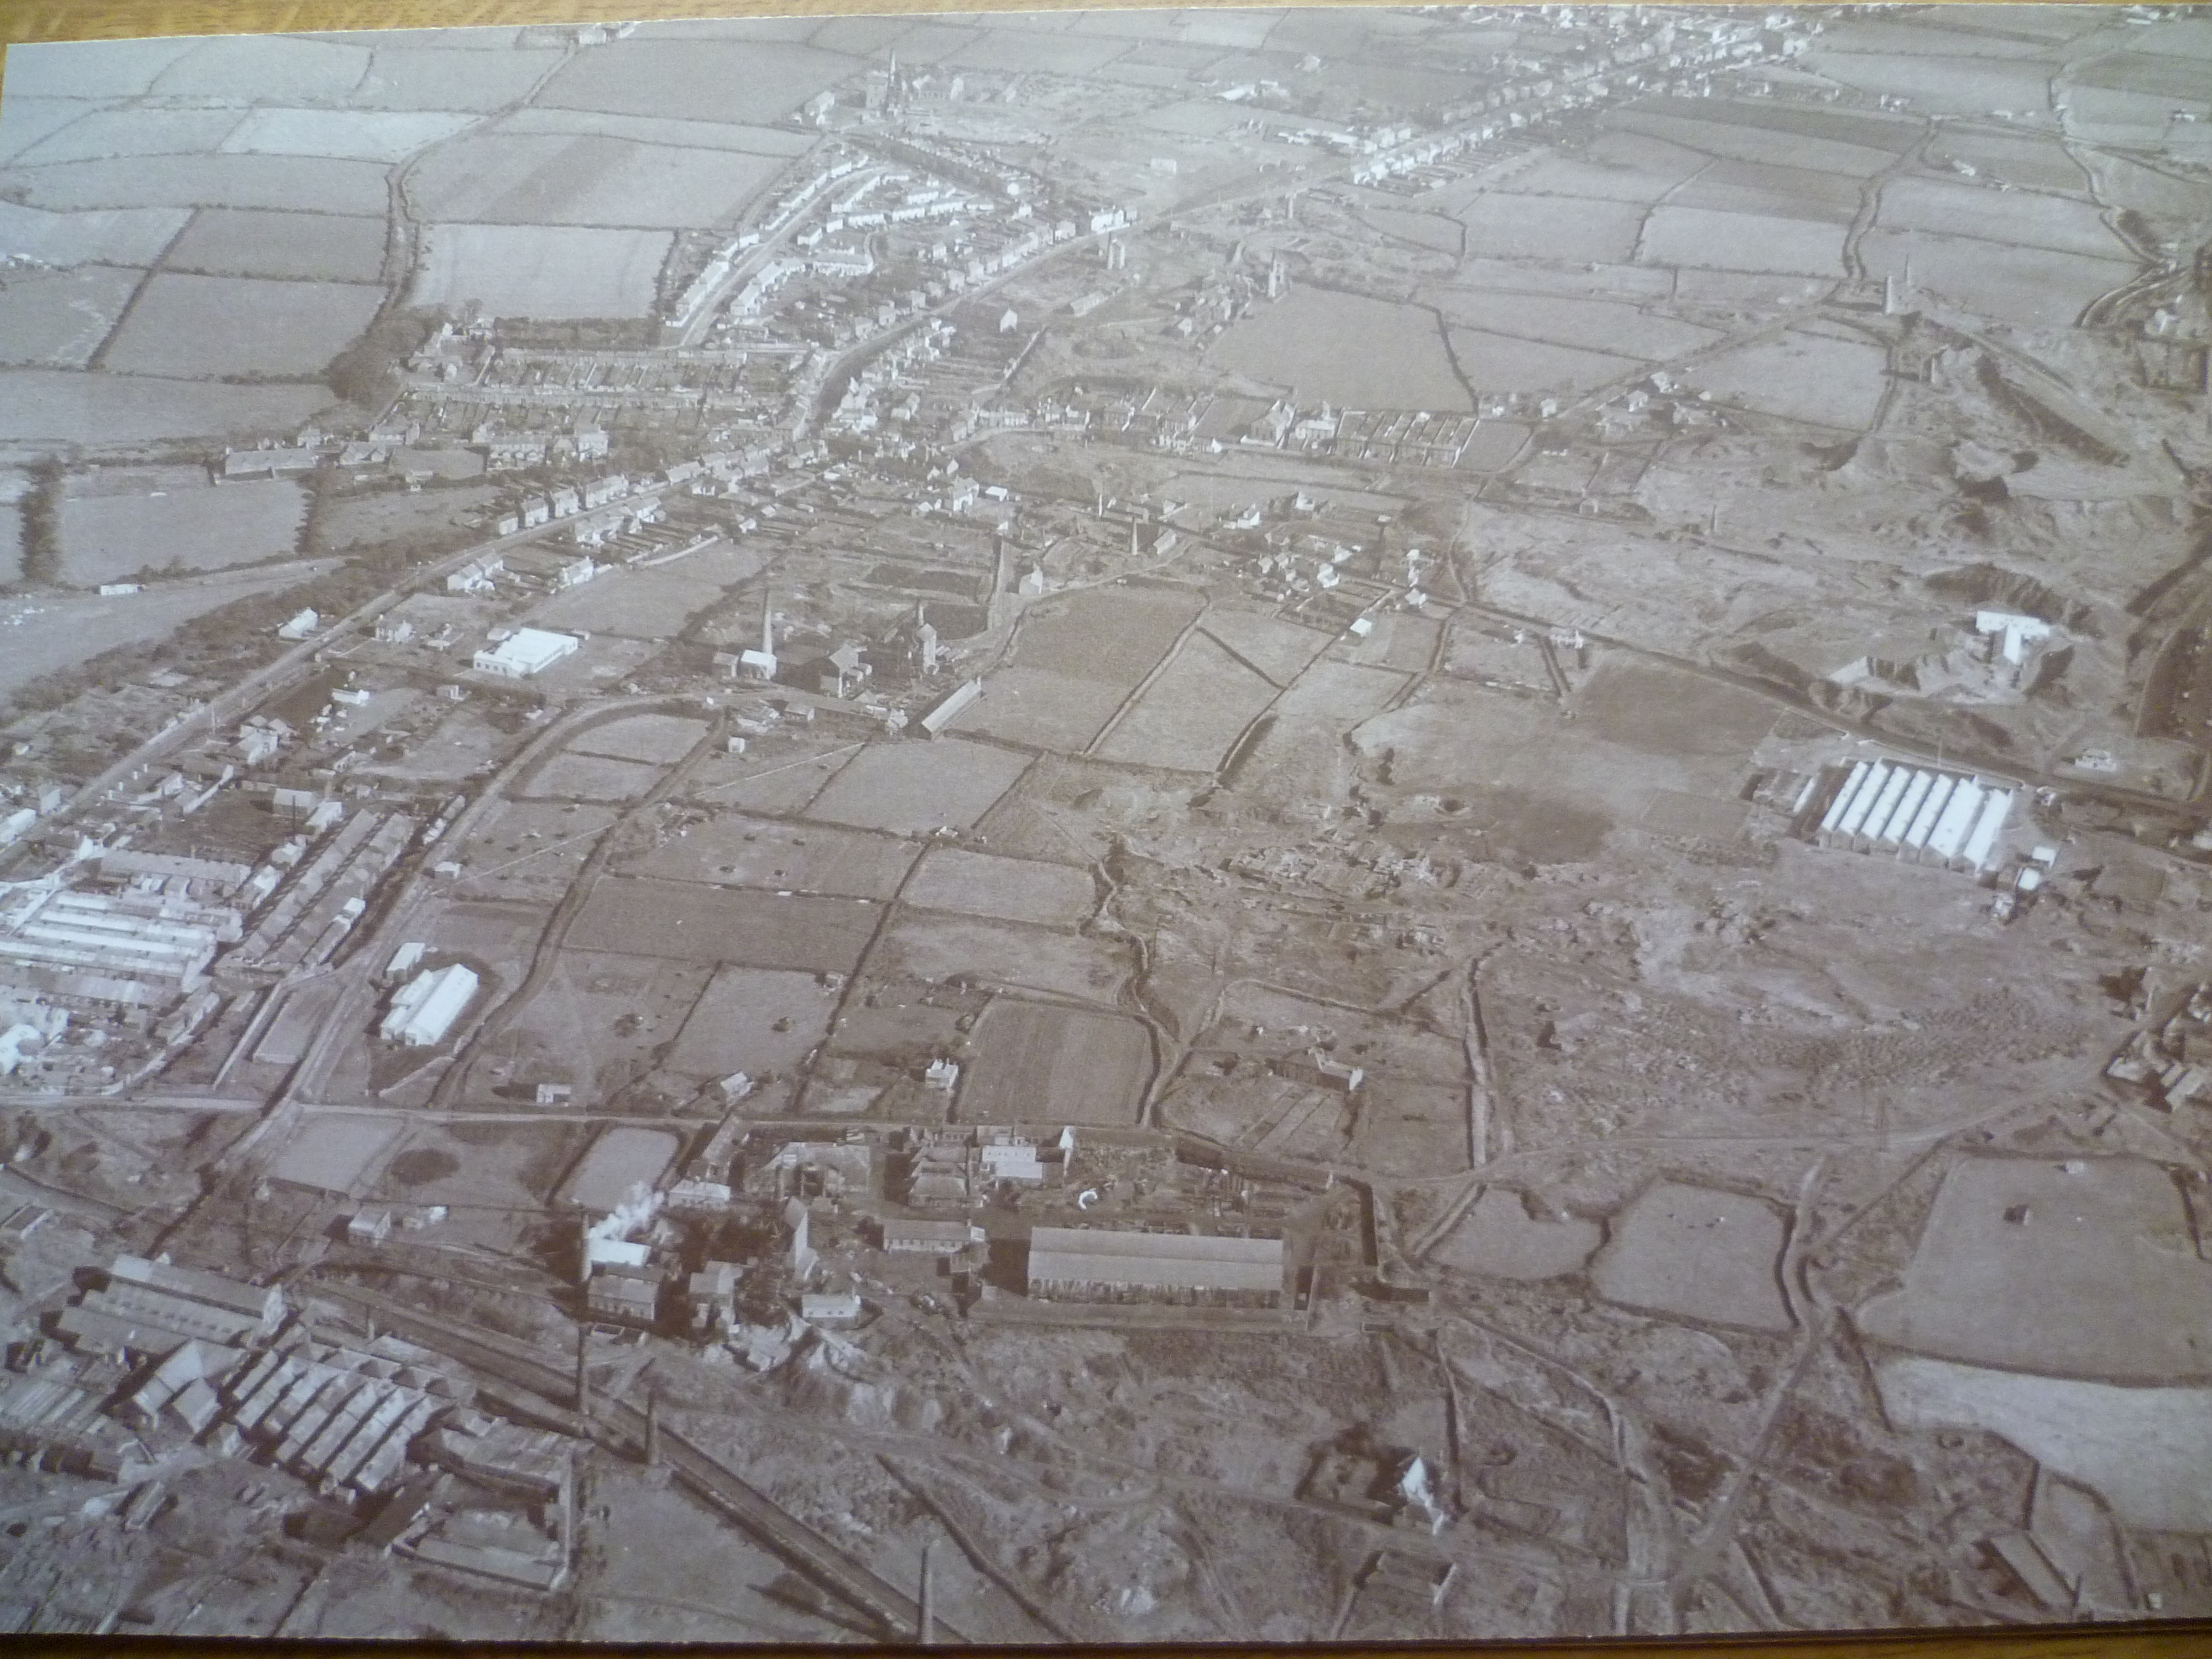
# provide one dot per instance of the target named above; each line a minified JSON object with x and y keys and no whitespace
{"x":653,"y":1430}
{"x":583,"y":1370}
{"x":925,"y":1634}
{"x":767,"y":624}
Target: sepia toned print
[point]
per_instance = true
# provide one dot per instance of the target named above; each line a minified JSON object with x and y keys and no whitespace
{"x":1286,"y":825}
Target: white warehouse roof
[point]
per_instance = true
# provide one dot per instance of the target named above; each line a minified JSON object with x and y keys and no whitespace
{"x":425,"y":1008}
{"x":526,"y":652}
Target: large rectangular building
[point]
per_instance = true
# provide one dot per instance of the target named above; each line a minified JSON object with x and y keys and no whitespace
{"x":132,"y":949}
{"x":1084,"y":1264}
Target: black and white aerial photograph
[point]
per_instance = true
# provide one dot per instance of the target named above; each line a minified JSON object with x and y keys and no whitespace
{"x":1324,"y":824}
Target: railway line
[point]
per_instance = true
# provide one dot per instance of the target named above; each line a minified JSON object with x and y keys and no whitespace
{"x":623,"y":1426}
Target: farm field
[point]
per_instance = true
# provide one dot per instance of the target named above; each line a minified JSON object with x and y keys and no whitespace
{"x":662,"y":739}
{"x":303,"y":183}
{"x":1429,"y":230}
{"x":1601,"y":325}
{"x":1504,"y":225}
{"x":353,"y":134}
{"x":1614,"y":167}
{"x":938,"y":947}
{"x":1940,"y":84}
{"x":1189,"y":716}
{"x":477,"y":1169}
{"x":596,"y":1022}
{"x":478,"y":79}
{"x":279,"y":67}
{"x":2010,"y":219}
{"x":963,"y":883}
{"x":1762,"y":187}
{"x":44,"y":635}
{"x":15,"y":484}
{"x":1802,"y":376}
{"x":56,"y":319}
{"x":2035,"y":287}
{"x":117,"y":522}
{"x":571,"y":776}
{"x":756,"y":1020}
{"x":1110,"y":636}
{"x":1746,"y":141}
{"x":25,"y":121}
{"x":333,"y":1150}
{"x":2072,"y":1269}
{"x":1505,"y":362}
{"x":1041,"y":708}
{"x":651,"y":130}
{"x":116,"y":236}
{"x":548,"y":271}
{"x":1741,"y":241}
{"x":260,"y":242}
{"x":101,"y":133}
{"x":689,"y":921}
{"x":64,"y":406}
{"x":1036,"y":1063}
{"x":189,"y":327}
{"x":752,"y":81}
{"x":912,"y":788}
{"x":638,"y":604}
{"x":1279,"y":649}
{"x":737,"y":851}
{"x":1699,"y":1253}
{"x":1350,"y":349}
{"x":586,"y":179}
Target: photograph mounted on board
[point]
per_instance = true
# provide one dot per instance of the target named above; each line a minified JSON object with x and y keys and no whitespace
{"x":1326,"y":824}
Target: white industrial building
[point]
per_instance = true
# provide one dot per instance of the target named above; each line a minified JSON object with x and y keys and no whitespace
{"x":526,"y":652}
{"x":134,"y":948}
{"x":427,"y":1005}
{"x":1916,"y":812}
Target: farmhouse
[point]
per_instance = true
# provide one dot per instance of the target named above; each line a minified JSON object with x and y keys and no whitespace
{"x":1085,"y":1265}
{"x":526,"y":652}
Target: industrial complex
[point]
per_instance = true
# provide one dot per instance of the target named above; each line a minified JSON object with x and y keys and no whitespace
{"x":1321,"y":824}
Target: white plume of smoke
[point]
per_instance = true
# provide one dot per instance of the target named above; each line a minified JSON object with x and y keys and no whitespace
{"x":633,"y":1215}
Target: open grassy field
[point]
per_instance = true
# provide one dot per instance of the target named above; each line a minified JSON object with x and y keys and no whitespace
{"x":1743,"y":141}
{"x":638,"y":604}
{"x":101,"y":133}
{"x":542,"y":270}
{"x":1503,"y":363}
{"x":334,"y":1151}
{"x":1942,"y":84}
{"x":661,"y":739}
{"x":1041,"y":708}
{"x":938,"y":947}
{"x":689,"y":921}
{"x":1698,"y":1253}
{"x":2011,"y":218}
{"x":306,"y":183}
{"x":119,"y":521}
{"x":1613,"y":167}
{"x":585,"y":179}
{"x":2034,"y":288}
{"x":1279,"y":649}
{"x":752,"y":81}
{"x":1189,"y":716}
{"x":64,"y":406}
{"x":56,"y":318}
{"x":1040,"y":1064}
{"x":42,"y":636}
{"x":116,"y":236}
{"x":25,"y":121}
{"x":1763,"y":187}
{"x":1504,"y":225}
{"x":532,"y":121}
{"x":756,"y":1020}
{"x":1741,"y":241}
{"x":274,"y":67}
{"x":1113,"y":636}
{"x":2084,"y":1269}
{"x":1346,"y":348}
{"x":472,"y":1168}
{"x":1603,"y":326}
{"x":570,"y":776}
{"x":452,"y":77}
{"x":1800,"y":376}
{"x":260,"y":242}
{"x":737,"y":851}
{"x":189,"y":327}
{"x":15,"y":484}
{"x":915,"y":787}
{"x":357,"y":134}
{"x":963,"y":883}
